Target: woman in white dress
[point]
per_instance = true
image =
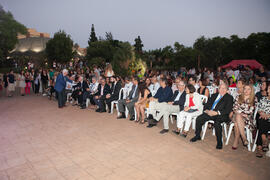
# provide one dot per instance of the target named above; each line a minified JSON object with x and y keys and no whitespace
{"x":21,"y":79}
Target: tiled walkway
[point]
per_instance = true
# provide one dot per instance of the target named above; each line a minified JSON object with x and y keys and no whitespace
{"x":40,"y":141}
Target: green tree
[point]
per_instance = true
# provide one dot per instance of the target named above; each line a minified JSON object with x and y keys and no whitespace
{"x":59,"y":48}
{"x":9,"y":28}
{"x":138,"y":45}
{"x":93,"y":37}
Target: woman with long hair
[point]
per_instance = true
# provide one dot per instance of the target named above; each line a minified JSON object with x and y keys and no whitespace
{"x":263,"y":119}
{"x":109,"y":71}
{"x":21,"y":79}
{"x":242,"y":114}
{"x":263,"y":91}
{"x":141,"y":104}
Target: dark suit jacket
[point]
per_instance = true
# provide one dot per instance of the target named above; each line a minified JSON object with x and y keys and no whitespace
{"x":106,"y":90}
{"x":224,"y":106}
{"x":115,"y":89}
{"x":136,"y":94}
{"x":181,"y":101}
{"x":81,"y":86}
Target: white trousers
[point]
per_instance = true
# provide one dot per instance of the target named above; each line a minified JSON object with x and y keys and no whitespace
{"x":187,"y":118}
{"x":165,"y":110}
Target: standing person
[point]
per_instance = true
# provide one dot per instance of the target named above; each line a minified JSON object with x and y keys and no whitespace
{"x":27,"y":83}
{"x":11,"y":83}
{"x":5,"y":79}
{"x":44,"y":80}
{"x":22,"y":85}
{"x":60,"y":86}
{"x":36,"y":81}
{"x":32,"y":75}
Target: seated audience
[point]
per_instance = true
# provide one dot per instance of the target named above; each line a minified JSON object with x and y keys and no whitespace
{"x":154,"y":85}
{"x":192,"y":108}
{"x":163,"y":96}
{"x":175,"y":105}
{"x":217,"y":109}
{"x":263,"y":91}
{"x":263,"y":118}
{"x":129,"y":102}
{"x":89,"y":93}
{"x":114,"y":92}
{"x":100,"y":96}
{"x":242,"y":114}
{"x":143,"y":102}
{"x":192,"y":80}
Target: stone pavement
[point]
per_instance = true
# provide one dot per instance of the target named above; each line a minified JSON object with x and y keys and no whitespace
{"x":40,"y":141}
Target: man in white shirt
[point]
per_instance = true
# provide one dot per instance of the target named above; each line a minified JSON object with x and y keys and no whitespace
{"x":154,"y":85}
{"x":93,"y":88}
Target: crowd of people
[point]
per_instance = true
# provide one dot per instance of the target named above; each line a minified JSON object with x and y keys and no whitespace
{"x":194,"y":97}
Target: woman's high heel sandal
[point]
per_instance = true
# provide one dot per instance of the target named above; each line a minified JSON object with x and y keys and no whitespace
{"x":245,"y":142}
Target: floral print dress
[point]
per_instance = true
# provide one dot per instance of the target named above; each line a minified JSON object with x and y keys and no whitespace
{"x":247,"y":109}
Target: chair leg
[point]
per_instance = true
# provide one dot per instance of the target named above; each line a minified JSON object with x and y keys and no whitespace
{"x":255,"y":140}
{"x":225,"y":130}
{"x":171,"y":118}
{"x":112,"y":104}
{"x":229,"y":133}
{"x":135,"y":114}
{"x":126,"y":112}
{"x":248,"y":138}
{"x":204,"y":129}
{"x":193,"y":123}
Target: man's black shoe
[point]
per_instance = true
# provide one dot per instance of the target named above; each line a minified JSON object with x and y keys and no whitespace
{"x":98,"y":110}
{"x":132,"y":118}
{"x":219,"y":146}
{"x":195,"y":138}
{"x":176,"y":132}
{"x":103,"y":110}
{"x":121,"y":117}
{"x":83,"y":107}
{"x":163,"y":131}
{"x":150,"y":125}
{"x":153,"y":121}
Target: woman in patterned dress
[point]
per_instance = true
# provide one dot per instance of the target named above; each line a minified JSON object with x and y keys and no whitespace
{"x":242,"y":114}
{"x":263,"y":118}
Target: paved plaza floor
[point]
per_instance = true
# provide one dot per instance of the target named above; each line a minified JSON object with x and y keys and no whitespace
{"x":40,"y":141}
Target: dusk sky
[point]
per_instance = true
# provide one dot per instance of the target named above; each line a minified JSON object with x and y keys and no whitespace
{"x":158,"y":22}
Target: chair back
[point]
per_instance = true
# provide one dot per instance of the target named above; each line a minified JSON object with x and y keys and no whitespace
{"x":204,"y":98}
{"x":211,"y":90}
{"x":120,"y":93}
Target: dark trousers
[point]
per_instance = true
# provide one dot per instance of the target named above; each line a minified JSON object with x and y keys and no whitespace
{"x":87,"y":95}
{"x":36,"y":88}
{"x":61,"y":98}
{"x":263,"y":128}
{"x":100,"y":102}
{"x":200,"y":121}
{"x":109,"y":100}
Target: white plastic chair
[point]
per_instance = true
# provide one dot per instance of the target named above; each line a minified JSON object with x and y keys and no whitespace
{"x":68,"y":96}
{"x":211,"y":90}
{"x":116,"y":102}
{"x":224,"y":125}
{"x":233,"y":91}
{"x":248,"y":134}
{"x":204,"y":98}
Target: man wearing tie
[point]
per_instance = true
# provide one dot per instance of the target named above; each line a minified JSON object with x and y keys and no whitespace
{"x":217,"y":109}
{"x":130,"y":101}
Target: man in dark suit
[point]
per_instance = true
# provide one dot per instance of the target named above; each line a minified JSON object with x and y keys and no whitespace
{"x":82,"y":87}
{"x":60,"y":86}
{"x":175,"y":105}
{"x":217,"y":109}
{"x":130,"y":101}
{"x":100,"y":96}
{"x":114,"y":95}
